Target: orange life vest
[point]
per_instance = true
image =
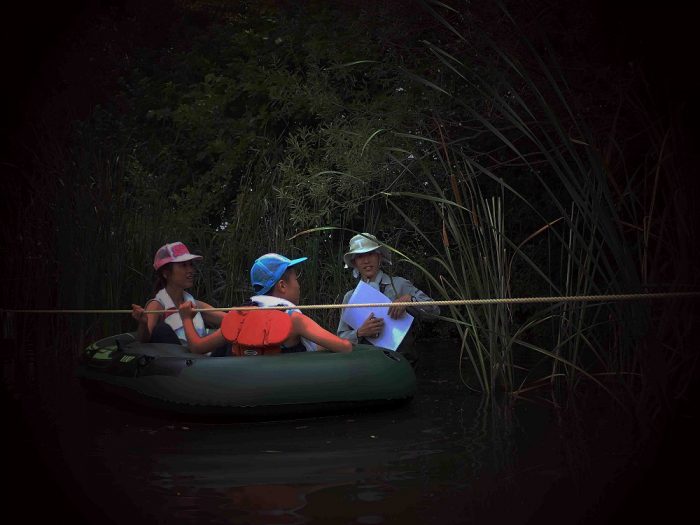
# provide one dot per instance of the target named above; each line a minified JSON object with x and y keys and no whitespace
{"x":256,"y":332}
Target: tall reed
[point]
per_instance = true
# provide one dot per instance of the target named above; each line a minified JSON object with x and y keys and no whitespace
{"x":538,"y":145}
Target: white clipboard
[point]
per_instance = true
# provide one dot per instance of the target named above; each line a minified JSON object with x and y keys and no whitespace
{"x":394,"y":329}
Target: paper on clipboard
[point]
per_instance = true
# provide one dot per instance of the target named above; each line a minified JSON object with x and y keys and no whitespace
{"x":394,"y":329}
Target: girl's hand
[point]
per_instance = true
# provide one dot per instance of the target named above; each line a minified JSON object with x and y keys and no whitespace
{"x":187,"y":310}
{"x":139,"y":314}
{"x":397,"y":311}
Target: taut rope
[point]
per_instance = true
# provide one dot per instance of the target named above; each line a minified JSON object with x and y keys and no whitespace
{"x":455,"y":302}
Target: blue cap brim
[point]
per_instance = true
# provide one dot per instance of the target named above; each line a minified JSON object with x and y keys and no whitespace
{"x":296,"y":261}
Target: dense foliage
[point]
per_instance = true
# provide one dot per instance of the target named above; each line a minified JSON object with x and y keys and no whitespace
{"x":265,"y":126}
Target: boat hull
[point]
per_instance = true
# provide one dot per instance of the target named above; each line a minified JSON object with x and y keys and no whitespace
{"x":169,"y":377}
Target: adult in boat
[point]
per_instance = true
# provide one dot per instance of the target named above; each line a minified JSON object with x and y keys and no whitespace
{"x":365,"y":256}
{"x":276,"y":283}
{"x":175,"y":271}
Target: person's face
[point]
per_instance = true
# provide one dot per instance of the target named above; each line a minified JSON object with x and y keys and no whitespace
{"x":367,"y":264}
{"x":181,"y":274}
{"x":291,"y":288}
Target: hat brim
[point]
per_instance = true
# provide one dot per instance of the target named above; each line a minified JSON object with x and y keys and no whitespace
{"x":186,"y":257}
{"x":294,"y":262}
{"x":348,"y":257}
{"x":179,"y":258}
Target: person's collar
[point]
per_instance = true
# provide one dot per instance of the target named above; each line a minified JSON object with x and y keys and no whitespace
{"x":379,"y":278}
{"x":270,"y":300}
{"x":175,"y":294}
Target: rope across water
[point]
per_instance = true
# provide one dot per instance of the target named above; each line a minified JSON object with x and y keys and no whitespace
{"x":455,"y":302}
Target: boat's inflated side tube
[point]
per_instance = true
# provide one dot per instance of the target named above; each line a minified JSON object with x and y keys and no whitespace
{"x":170,"y":377}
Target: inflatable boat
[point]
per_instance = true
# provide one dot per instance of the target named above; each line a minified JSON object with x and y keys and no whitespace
{"x":168,"y":377}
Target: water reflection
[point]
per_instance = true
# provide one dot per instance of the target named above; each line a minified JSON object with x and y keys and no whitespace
{"x":274,"y":503}
{"x":445,"y":458}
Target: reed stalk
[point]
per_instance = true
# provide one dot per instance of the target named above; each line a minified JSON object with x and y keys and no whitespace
{"x":538,"y":146}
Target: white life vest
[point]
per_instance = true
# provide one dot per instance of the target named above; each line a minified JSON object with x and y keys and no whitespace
{"x":174,"y":320}
{"x":269,"y":300}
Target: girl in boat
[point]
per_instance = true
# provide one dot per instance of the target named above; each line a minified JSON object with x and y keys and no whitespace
{"x":175,"y":271}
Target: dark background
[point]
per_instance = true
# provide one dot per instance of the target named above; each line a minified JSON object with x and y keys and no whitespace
{"x":658,"y":40}
{"x":55,"y":69}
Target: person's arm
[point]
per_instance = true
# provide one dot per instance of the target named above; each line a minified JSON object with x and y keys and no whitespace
{"x":211,"y":318}
{"x":371,"y":327}
{"x":396,"y":311}
{"x":345,"y":331}
{"x":408,"y":292}
{"x":146,"y":321}
{"x":139,"y":315}
{"x":197,"y":344}
{"x":307,"y":328}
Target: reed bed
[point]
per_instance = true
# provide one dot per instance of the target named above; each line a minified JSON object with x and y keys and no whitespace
{"x":585,"y":233}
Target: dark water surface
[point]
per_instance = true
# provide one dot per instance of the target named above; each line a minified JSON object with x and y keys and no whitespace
{"x":443,"y":458}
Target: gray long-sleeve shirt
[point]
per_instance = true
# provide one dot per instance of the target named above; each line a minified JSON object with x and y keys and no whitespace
{"x":392,"y":287}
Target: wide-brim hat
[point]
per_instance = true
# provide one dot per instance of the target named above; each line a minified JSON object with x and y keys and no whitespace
{"x":172,"y":252}
{"x":268,"y":269}
{"x":364,"y":243}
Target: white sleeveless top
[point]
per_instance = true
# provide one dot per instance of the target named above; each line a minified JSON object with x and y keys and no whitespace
{"x":174,"y":320}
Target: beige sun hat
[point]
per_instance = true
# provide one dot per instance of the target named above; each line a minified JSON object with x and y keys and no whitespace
{"x":364,"y":243}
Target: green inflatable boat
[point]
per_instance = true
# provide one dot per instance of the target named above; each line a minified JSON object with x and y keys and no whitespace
{"x":167,"y":376}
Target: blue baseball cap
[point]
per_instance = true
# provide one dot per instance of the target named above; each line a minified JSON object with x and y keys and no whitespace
{"x":268,"y":269}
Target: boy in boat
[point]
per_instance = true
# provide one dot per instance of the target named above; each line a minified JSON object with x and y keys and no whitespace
{"x":275,"y":281}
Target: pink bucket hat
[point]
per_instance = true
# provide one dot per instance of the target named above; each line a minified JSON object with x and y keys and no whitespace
{"x":172,"y":252}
